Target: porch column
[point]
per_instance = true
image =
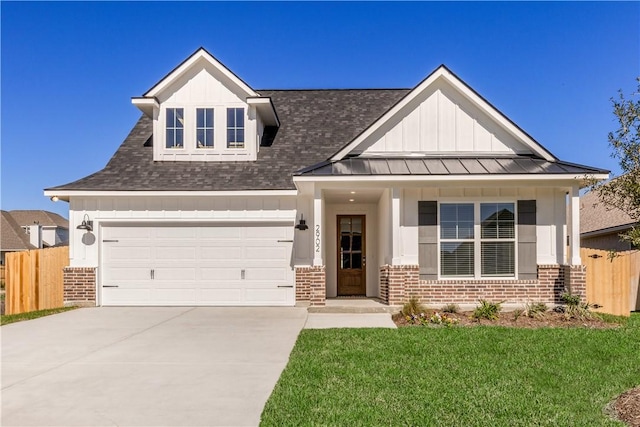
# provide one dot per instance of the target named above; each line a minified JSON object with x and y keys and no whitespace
{"x":318,"y":244}
{"x":395,"y":226}
{"x":574,"y":226}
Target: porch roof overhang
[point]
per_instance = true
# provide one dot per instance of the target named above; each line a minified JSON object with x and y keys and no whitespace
{"x":448,"y":169}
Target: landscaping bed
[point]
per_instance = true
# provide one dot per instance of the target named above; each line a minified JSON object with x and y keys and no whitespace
{"x":549,"y":319}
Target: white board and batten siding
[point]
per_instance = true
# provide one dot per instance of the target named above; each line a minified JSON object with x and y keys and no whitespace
{"x":441,"y":121}
{"x":231,"y":250}
{"x":204,"y":87}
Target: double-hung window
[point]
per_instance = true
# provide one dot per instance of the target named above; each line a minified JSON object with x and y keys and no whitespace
{"x":235,"y":127}
{"x":477,"y":240}
{"x":175,"y":128}
{"x":204,"y":127}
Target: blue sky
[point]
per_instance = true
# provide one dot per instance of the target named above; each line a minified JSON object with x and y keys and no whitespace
{"x":69,"y":70}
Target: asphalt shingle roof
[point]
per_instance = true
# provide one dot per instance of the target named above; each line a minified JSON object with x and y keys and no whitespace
{"x":597,"y":216}
{"x":12,"y":236}
{"x":44,"y":218}
{"x":314,"y":125}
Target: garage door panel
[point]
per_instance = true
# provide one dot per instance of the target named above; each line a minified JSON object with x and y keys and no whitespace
{"x":220,"y":233}
{"x":197,"y":265}
{"x":219,"y":274}
{"x":175,"y":253}
{"x":127,"y":253}
{"x":126,"y":274}
{"x":220,"y":252}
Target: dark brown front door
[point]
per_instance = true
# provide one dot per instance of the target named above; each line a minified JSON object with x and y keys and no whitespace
{"x":351,"y":255}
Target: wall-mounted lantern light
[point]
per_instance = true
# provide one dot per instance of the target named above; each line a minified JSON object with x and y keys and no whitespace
{"x":302,"y":225}
{"x":87,"y":224}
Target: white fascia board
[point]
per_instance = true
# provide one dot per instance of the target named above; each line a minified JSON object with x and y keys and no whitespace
{"x":106,"y":221}
{"x":462,"y":88}
{"x":200,"y":54}
{"x":65,"y":194}
{"x":146,"y":104}
{"x":266,"y":109}
{"x":449,"y":178}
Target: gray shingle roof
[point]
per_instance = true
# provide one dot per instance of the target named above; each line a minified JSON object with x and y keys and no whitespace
{"x":445,"y":166}
{"x":596,"y":216}
{"x":314,"y":125}
{"x":44,"y":218}
{"x":12,"y":236}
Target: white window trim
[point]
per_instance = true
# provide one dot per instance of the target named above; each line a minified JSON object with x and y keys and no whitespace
{"x":166,"y":127}
{"x":212,"y":127}
{"x":244,"y":129}
{"x":477,"y":240}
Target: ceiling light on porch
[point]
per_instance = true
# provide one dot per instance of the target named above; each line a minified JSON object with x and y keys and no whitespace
{"x":352,"y":192}
{"x":351,"y":200}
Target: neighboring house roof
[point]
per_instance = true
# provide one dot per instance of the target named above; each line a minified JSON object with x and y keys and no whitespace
{"x":314,"y":125}
{"x":12,"y":235}
{"x":44,"y":218}
{"x":598,"y":218}
{"x":446,"y":166}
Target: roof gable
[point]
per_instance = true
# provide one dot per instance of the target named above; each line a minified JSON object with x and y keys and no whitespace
{"x":443,"y":115}
{"x":12,"y":236}
{"x":198,"y":60}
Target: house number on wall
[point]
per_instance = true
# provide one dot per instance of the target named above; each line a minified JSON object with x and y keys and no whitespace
{"x":318,"y":238}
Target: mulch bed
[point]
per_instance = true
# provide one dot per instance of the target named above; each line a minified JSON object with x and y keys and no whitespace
{"x":627,"y":407}
{"x":550,"y":319}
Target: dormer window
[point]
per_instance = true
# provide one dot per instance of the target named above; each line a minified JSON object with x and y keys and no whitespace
{"x":235,"y":127}
{"x":204,"y":127}
{"x":175,"y":128}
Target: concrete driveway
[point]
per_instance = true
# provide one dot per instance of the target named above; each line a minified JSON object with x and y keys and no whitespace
{"x":160,"y":366}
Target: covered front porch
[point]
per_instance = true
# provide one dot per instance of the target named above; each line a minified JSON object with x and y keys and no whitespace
{"x":373,"y":242}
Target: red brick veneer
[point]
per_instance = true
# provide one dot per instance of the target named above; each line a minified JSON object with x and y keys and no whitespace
{"x":398,"y":283}
{"x":79,"y":285}
{"x":311,"y":285}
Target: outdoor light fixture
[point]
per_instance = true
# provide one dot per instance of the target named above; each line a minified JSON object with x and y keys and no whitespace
{"x":87,"y":224}
{"x":302,"y":225}
{"x":54,"y":198}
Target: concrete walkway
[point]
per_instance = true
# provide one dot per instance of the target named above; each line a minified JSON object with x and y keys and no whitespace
{"x":349,"y":320}
{"x":158,"y":366}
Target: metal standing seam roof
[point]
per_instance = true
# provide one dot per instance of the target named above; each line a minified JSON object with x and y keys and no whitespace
{"x":446,"y":166}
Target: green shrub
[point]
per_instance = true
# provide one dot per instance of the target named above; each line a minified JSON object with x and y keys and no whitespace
{"x":487,"y":310}
{"x":535,"y":310}
{"x":412,"y":307}
{"x":517,"y":313}
{"x":451,"y":308}
{"x":574,"y":309}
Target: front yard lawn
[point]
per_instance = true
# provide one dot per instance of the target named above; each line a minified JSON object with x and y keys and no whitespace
{"x":5,"y":319}
{"x":459,"y":376}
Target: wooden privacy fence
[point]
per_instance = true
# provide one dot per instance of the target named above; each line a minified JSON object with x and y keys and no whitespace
{"x":34,"y":279}
{"x":612,"y":282}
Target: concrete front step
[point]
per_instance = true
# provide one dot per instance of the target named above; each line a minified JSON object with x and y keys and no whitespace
{"x":356,"y":306}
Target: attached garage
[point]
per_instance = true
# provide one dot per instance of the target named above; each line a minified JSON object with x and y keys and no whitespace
{"x":240,"y":264}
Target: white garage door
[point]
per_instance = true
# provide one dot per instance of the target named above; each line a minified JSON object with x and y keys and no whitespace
{"x":197,"y":265}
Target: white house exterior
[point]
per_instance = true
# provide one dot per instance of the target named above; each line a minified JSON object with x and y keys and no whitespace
{"x":427,"y":192}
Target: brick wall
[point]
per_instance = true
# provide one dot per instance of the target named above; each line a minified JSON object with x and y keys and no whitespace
{"x":400,"y":282}
{"x":311,"y":285}
{"x":79,"y":286}
{"x":576,"y":280}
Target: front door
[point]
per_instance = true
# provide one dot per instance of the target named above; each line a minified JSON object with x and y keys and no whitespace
{"x":351,"y":255}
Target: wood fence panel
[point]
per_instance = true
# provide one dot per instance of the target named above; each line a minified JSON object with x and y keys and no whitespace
{"x":3,"y":269}
{"x":610,"y":280}
{"x":35,"y":279}
{"x":634,"y":265}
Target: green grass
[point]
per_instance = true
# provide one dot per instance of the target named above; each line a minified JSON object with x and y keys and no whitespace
{"x":12,"y":318}
{"x":480,"y":376}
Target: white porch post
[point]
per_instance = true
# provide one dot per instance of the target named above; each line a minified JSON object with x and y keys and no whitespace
{"x":574,"y":226}
{"x":317,"y":227}
{"x":395,"y":226}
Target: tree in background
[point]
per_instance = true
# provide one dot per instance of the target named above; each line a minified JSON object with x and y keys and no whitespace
{"x":623,"y":192}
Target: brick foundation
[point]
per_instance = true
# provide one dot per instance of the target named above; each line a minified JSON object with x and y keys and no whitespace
{"x":311,"y":285}
{"x":398,"y":283}
{"x":79,"y":286}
